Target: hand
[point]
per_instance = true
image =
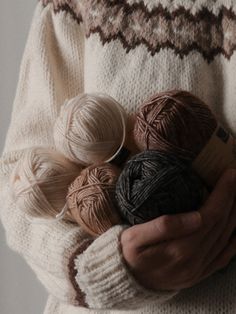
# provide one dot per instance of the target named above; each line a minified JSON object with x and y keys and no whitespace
{"x":178,"y":251}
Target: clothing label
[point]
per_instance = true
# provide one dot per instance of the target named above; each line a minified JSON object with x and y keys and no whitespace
{"x":218,"y":155}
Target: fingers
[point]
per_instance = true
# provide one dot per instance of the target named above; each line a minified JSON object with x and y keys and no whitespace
{"x":223,"y":239}
{"x":221,"y":199}
{"x":222,"y":260}
{"x":164,"y":228}
{"x":218,"y":217}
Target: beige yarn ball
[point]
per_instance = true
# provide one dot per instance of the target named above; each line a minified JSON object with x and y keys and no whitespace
{"x":91,"y":198}
{"x":91,"y":128}
{"x":40,"y":182}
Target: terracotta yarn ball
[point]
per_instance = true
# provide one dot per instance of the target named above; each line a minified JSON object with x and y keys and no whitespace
{"x":91,"y":128}
{"x":40,"y":182}
{"x":176,"y":122}
{"x":155,"y":183}
{"x":91,"y":198}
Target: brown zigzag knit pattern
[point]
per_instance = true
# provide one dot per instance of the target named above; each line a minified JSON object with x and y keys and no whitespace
{"x":133,"y":25}
{"x":59,"y":63}
{"x":70,"y":6}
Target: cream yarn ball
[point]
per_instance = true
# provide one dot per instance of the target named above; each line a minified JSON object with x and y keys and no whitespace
{"x":40,"y":182}
{"x":91,"y":128}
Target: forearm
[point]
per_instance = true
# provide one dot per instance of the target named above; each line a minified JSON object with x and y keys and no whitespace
{"x":51,"y":71}
{"x":103,"y":276}
{"x":46,"y":248}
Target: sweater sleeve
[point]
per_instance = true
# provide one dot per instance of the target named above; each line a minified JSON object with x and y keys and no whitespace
{"x":64,"y":258}
{"x":105,"y":280}
{"x":51,"y":71}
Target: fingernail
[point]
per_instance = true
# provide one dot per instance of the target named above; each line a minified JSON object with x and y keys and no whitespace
{"x":192,"y":220}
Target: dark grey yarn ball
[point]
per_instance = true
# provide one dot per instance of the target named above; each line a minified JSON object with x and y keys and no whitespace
{"x":154,"y":183}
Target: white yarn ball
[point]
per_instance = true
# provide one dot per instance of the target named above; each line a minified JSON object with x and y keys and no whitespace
{"x":91,"y":128}
{"x":40,"y":182}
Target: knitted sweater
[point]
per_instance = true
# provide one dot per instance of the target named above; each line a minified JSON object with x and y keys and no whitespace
{"x":129,"y":49}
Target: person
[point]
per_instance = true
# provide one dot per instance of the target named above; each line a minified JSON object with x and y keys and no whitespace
{"x":129,"y":49}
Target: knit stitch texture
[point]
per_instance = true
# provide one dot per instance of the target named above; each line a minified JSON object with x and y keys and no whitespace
{"x":129,"y":49}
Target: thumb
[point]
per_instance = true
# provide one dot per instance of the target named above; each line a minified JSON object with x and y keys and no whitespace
{"x":166,"y":227}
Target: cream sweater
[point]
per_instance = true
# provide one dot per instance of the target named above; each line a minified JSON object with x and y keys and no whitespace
{"x":130,"y":49}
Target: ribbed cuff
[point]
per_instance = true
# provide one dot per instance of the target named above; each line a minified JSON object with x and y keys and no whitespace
{"x":80,"y":296}
{"x":105,"y":280}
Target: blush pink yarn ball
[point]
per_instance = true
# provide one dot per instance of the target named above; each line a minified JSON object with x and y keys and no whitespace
{"x":91,"y":198}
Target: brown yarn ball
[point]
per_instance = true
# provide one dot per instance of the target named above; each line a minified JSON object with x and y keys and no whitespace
{"x":91,"y":198}
{"x":174,"y":121}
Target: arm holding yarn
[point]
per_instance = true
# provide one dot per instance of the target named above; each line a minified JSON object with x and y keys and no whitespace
{"x":48,"y":76}
{"x":50,"y":73}
{"x":159,"y":253}
{"x":114,"y":287}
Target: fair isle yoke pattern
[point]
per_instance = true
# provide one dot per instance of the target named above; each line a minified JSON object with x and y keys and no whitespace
{"x":121,"y":59}
{"x":69,"y":6}
{"x":193,"y":6}
{"x":134,"y":24}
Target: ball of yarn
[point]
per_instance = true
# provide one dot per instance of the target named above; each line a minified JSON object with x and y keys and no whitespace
{"x":40,"y":182}
{"x":154,"y":183}
{"x":90,"y":129}
{"x":91,"y":198}
{"x":176,"y":122}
